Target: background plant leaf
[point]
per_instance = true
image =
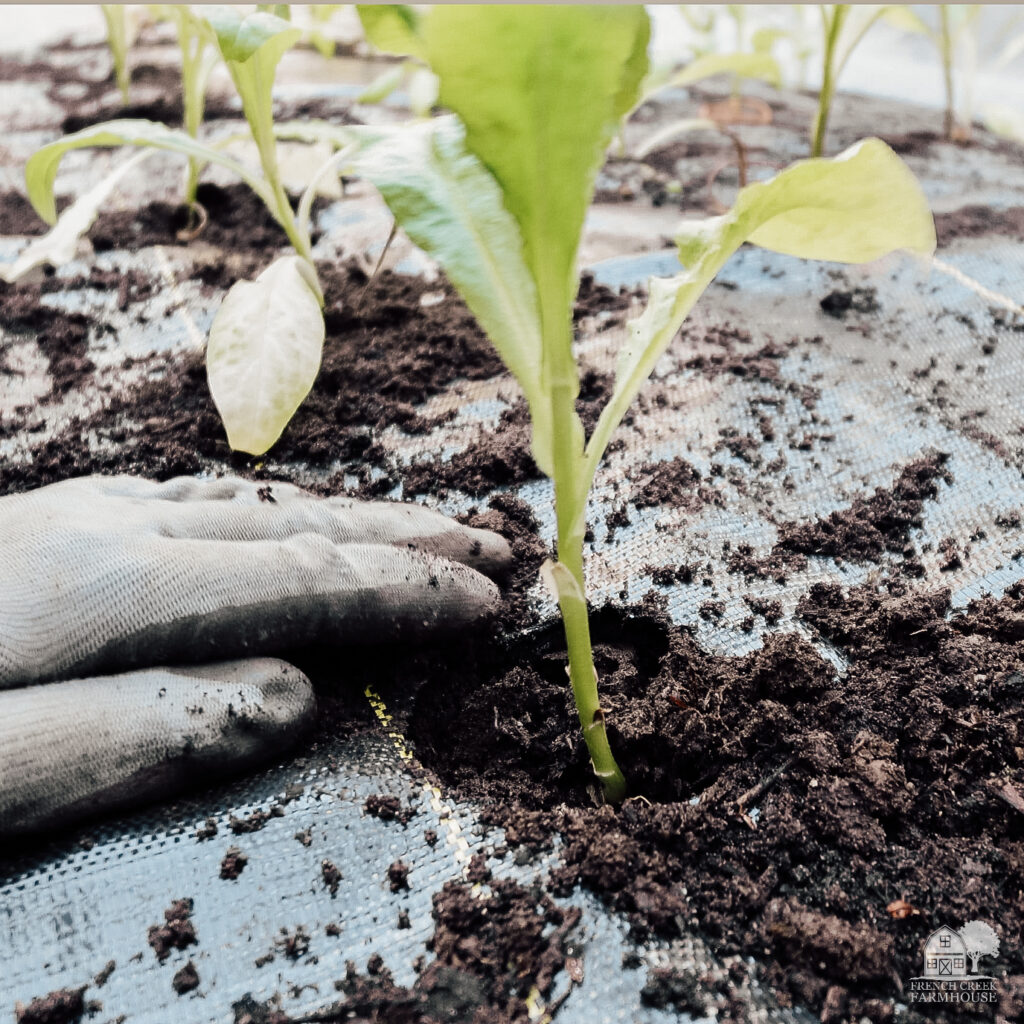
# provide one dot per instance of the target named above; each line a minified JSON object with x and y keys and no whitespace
{"x":854,"y":208}
{"x":41,"y":168}
{"x":264,"y":353}
{"x":58,"y":245}
{"x":762,"y":66}
{"x":393,"y":28}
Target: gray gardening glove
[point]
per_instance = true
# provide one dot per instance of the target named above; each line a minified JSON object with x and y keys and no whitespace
{"x":106,"y":573}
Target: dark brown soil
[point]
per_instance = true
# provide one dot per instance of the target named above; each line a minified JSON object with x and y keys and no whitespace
{"x":233,"y":863}
{"x":65,"y":1006}
{"x":977,"y":221}
{"x":186,"y":979}
{"x":869,"y":527}
{"x":388,"y":808}
{"x":331,"y":875}
{"x":177,"y":931}
{"x":489,"y":949}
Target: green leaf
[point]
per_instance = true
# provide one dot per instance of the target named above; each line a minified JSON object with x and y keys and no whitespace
{"x":264,"y":352}
{"x":42,"y":166}
{"x":393,"y":28}
{"x":540,"y":90}
{"x":747,"y":65}
{"x":383,"y":85}
{"x":58,"y":245}
{"x":241,"y":36}
{"x":857,"y":207}
{"x":672,"y":131}
{"x":451,"y":207}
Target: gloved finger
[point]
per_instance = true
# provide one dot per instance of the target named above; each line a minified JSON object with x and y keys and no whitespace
{"x":192,"y":601}
{"x":230,"y":508}
{"x":70,"y":750}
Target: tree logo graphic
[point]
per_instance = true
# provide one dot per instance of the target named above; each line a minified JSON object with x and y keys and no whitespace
{"x":980,"y":940}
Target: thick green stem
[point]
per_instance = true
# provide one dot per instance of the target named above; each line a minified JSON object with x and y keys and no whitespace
{"x":570,"y":506}
{"x":833,"y":25}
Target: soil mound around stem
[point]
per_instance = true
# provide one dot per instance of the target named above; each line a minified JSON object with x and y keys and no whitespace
{"x":790,"y":806}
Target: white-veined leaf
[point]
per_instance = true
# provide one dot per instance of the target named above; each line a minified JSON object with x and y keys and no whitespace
{"x":452,"y":208}
{"x":264,"y":352}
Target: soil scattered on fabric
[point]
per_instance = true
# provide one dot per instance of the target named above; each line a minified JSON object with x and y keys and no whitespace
{"x":388,"y":808}
{"x":186,"y":979}
{"x":233,"y":863}
{"x":64,"y":1006}
{"x":177,"y":931}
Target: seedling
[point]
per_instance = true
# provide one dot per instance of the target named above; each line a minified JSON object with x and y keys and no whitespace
{"x":120,"y":34}
{"x":199,"y":55}
{"x":955,"y":40}
{"x":265,"y":341}
{"x":394,"y":29}
{"x":498,"y":194}
{"x":843,"y":27}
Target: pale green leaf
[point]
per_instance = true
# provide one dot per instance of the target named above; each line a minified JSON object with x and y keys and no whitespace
{"x":451,"y":207}
{"x":264,"y":353}
{"x":672,"y":131}
{"x":858,"y":207}
{"x":242,"y":36}
{"x":906,"y":19}
{"x":393,"y":28}
{"x":540,"y":90}
{"x":58,"y":245}
{"x":762,"y":66}
{"x":1004,"y":120}
{"x":383,"y":85}
{"x":41,"y":168}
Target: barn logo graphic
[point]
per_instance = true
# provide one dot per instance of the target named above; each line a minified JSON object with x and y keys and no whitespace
{"x":951,"y":966}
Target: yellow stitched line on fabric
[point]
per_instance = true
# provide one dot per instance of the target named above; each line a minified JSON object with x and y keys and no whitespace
{"x":454,"y":838}
{"x":194,"y":334}
{"x":453,"y":830}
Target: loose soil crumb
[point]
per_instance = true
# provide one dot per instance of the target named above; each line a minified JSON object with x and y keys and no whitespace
{"x":104,"y":975}
{"x":233,"y":863}
{"x":177,"y":932}
{"x":64,"y":1006}
{"x":255,"y":821}
{"x":388,"y":808}
{"x":398,"y":876}
{"x":186,"y":979}
{"x":331,"y":875}
{"x":870,"y":527}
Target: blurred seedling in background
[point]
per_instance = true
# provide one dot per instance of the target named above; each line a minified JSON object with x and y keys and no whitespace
{"x":395,"y":29}
{"x":953,"y":31}
{"x":122,"y":27}
{"x":843,"y":26}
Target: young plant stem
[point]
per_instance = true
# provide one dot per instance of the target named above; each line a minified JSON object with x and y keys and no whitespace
{"x":946,"y":47}
{"x":833,"y":23}
{"x":572,"y":474}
